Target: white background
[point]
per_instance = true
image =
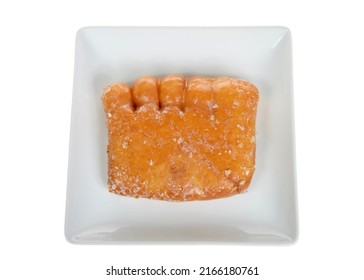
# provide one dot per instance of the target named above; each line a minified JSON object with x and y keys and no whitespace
{"x":36,"y":71}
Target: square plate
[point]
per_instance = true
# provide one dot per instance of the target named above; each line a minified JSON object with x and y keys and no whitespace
{"x":266,"y":214}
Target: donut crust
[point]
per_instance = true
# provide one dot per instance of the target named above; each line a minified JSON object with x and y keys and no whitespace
{"x":181,"y":139}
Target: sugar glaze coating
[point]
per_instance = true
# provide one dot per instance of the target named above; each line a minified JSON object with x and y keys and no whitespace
{"x":181,"y":139}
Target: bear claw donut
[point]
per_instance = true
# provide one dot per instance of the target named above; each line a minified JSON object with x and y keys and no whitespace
{"x":181,"y":139}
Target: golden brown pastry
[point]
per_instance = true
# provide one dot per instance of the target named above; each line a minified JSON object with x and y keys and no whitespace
{"x":181,"y":139}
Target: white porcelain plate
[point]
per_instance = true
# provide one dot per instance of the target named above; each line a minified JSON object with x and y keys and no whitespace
{"x":266,"y":214}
